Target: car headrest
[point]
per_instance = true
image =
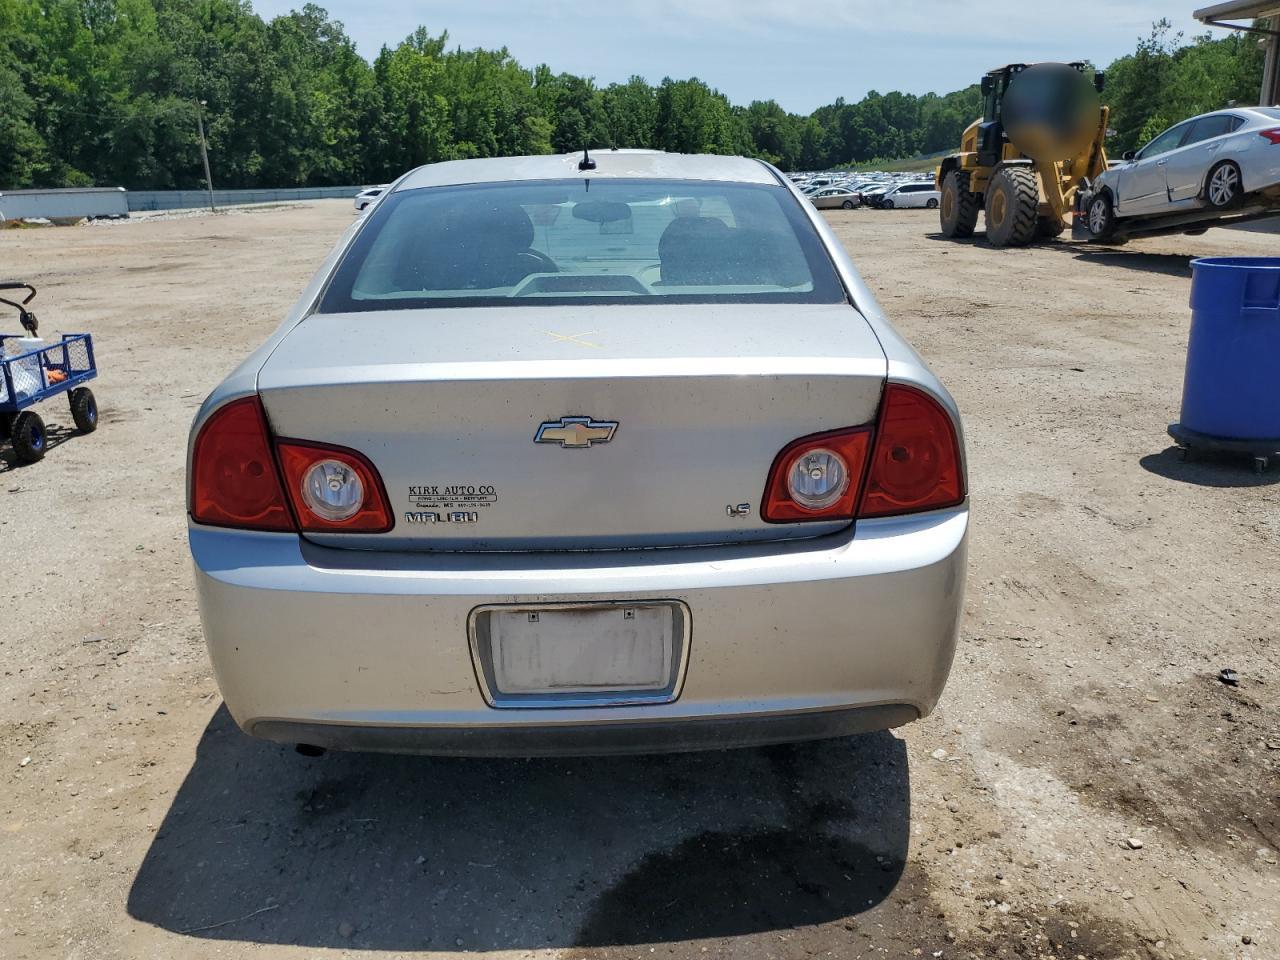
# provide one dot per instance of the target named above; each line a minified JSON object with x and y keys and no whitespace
{"x":496,"y":226}
{"x":687,"y":249}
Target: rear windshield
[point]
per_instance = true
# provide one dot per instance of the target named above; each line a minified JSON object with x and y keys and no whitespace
{"x":584,"y":240}
{"x":1272,"y":112}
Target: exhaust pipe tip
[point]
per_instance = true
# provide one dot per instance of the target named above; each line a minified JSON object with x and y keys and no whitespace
{"x":309,"y":750}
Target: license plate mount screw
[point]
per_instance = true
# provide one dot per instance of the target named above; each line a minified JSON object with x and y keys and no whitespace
{"x":534,"y":618}
{"x":628,"y":614}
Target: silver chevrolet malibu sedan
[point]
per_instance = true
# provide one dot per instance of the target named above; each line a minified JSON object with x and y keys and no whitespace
{"x":580,"y":454}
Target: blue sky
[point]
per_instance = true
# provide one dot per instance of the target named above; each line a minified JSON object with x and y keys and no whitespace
{"x":802,"y":54}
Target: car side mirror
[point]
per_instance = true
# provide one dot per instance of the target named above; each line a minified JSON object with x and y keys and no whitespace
{"x":1130,"y":155}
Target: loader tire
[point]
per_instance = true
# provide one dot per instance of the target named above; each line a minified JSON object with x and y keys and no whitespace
{"x":1013,"y":205}
{"x":1049,"y":228}
{"x":958,"y":212}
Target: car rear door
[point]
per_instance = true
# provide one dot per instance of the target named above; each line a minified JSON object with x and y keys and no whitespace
{"x":1187,"y":166}
{"x":1143,"y":187}
{"x":920,"y":194}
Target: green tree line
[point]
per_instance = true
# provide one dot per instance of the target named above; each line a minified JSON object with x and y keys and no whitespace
{"x":106,"y":91}
{"x":1165,"y":81}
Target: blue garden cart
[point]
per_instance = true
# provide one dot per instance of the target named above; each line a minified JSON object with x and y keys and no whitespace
{"x":32,"y":371}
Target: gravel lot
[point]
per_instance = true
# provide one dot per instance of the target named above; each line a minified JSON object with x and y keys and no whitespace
{"x":1087,"y":788}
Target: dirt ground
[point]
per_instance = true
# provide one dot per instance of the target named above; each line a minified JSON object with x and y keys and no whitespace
{"x":1109,"y":583}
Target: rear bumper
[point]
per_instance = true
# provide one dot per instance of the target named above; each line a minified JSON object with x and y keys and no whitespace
{"x":599,"y":739}
{"x":790,"y":641}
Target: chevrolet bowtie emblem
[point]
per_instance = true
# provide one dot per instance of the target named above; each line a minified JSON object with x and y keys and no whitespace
{"x":576,"y":431}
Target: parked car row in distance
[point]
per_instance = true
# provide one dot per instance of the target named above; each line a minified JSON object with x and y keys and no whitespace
{"x":879,"y":190}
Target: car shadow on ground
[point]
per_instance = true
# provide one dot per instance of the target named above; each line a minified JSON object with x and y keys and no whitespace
{"x":1210,"y":469}
{"x":1169,"y":264}
{"x":401,"y":853}
{"x":979,"y":239}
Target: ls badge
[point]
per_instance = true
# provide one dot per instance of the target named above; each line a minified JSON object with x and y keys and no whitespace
{"x":576,"y":432}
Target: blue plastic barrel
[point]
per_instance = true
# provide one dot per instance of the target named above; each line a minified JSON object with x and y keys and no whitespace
{"x":1232,"y":385}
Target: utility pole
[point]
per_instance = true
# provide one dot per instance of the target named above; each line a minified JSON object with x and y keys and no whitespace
{"x":204,"y":150}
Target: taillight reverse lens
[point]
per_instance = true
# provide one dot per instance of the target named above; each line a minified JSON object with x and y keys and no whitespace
{"x":234,"y":482}
{"x":817,"y":477}
{"x":916,"y":462}
{"x":333,"y":488}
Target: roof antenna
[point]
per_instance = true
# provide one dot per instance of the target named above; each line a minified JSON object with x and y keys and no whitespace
{"x":586,"y":163}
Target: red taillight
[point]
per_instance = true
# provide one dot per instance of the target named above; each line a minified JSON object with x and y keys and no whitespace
{"x":236,"y":479}
{"x":234,"y":482}
{"x":908,"y":462}
{"x":844,"y":451}
{"x":365,"y":508}
{"x":1273,"y":135}
{"x":916,"y":463}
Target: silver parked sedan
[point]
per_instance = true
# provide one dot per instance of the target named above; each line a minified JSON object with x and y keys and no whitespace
{"x":558,"y":455}
{"x":835,"y":197}
{"x":1209,"y":162}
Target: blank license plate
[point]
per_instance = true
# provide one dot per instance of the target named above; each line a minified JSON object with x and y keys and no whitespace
{"x":581,"y":650}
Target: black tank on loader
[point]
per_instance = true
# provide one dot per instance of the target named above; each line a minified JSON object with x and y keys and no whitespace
{"x":1040,"y":138}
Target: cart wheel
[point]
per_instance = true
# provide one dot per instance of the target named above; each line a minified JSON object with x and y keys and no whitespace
{"x":29,"y":440}
{"x":84,"y":409}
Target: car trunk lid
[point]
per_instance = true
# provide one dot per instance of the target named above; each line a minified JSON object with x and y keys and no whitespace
{"x":448,"y":404}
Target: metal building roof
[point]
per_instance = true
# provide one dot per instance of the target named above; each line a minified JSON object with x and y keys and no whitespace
{"x":1237,"y":10}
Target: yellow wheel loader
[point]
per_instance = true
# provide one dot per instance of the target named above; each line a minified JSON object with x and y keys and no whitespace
{"x":1040,"y":138}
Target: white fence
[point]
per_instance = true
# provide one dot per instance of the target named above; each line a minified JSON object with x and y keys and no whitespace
{"x":179,"y":199}
{"x":74,"y":203}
